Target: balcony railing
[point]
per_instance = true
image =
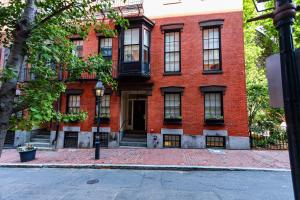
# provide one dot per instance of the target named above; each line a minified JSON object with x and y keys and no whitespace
{"x":122,"y":3}
{"x":93,"y":76}
{"x":27,"y":75}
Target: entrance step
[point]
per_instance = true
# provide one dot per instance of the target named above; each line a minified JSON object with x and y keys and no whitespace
{"x":132,"y":144}
{"x":133,"y":139}
{"x":41,"y":140}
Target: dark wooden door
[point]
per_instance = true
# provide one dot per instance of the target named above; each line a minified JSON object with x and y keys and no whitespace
{"x":139,"y":115}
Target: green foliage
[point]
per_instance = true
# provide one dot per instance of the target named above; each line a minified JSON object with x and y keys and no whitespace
{"x":74,"y":117}
{"x":48,"y":50}
{"x":261,"y":41}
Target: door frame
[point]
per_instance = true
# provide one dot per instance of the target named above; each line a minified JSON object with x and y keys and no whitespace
{"x":125,"y":99}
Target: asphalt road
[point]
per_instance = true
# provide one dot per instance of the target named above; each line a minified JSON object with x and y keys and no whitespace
{"x":86,"y":184}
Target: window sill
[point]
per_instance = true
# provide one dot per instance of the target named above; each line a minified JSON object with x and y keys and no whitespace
{"x":103,"y":120}
{"x":173,"y":121}
{"x":219,"y":122}
{"x":172,"y":74}
{"x":213,"y":72}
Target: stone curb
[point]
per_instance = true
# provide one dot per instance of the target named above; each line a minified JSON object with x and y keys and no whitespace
{"x":142,"y":167}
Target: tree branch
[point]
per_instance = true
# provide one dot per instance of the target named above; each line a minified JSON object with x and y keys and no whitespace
{"x":19,"y":107}
{"x":55,"y":13}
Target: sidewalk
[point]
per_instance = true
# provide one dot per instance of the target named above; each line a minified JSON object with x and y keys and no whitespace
{"x":154,"y":157}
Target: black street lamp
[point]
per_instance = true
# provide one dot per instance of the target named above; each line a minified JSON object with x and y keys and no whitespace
{"x":99,"y":90}
{"x":283,"y":18}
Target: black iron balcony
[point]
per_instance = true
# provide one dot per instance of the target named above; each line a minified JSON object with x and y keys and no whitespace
{"x":127,"y":3}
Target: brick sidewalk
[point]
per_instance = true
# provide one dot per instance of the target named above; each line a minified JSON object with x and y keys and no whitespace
{"x":182,"y":157}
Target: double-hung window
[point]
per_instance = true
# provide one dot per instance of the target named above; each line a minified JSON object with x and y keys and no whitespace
{"x":106,"y":48}
{"x":146,"y":46}
{"x":172,"y":106}
{"x":131,"y":45}
{"x":104,"y":107}
{"x":211,"y":49}
{"x":78,"y":51}
{"x":73,"y":105}
{"x":214,"y":106}
{"x":172,"y":52}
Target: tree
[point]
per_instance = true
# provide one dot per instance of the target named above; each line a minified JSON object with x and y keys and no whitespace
{"x":37,"y":32}
{"x":261,"y":41}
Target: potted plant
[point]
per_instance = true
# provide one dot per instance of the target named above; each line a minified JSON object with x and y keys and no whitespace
{"x":214,"y":120}
{"x":172,"y":119}
{"x":27,"y":152}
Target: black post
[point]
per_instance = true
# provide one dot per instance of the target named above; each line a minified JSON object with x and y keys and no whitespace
{"x":284,"y":16}
{"x":97,"y":142}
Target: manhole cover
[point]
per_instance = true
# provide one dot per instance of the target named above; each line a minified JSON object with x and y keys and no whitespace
{"x":93,"y":181}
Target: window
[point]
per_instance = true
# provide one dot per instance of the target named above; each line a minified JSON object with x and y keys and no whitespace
{"x":215,"y":142}
{"x":73,"y":104}
{"x":105,"y":107}
{"x":131,"y":45}
{"x":146,"y":46}
{"x":71,"y":140}
{"x":172,"y":52}
{"x":103,"y":139}
{"x":106,"y":48}
{"x":78,"y":51}
{"x":172,"y":106}
{"x":211,"y":49}
{"x":213,"y":106}
{"x":172,"y":141}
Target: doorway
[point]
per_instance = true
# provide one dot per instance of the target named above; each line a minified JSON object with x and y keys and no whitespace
{"x":139,"y":115}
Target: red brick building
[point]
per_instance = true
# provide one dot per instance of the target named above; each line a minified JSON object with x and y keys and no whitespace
{"x":181,"y":80}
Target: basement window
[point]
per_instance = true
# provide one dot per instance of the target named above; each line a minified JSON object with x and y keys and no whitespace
{"x":71,"y":140}
{"x":103,"y":139}
{"x":172,"y":141}
{"x":215,"y":142}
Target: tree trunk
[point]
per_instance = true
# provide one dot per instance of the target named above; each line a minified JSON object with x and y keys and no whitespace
{"x":15,"y":59}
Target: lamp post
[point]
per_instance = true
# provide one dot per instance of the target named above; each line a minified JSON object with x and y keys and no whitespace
{"x":99,"y":90}
{"x":283,"y":18}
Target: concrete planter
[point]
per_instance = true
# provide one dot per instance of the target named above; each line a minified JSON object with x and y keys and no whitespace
{"x":26,"y":156}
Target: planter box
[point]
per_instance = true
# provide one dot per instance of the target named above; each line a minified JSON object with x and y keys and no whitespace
{"x":103,"y":120}
{"x":172,"y":121}
{"x":26,"y":156}
{"x":214,"y":121}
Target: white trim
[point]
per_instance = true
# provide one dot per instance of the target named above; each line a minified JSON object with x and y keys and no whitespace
{"x":215,"y":133}
{"x":71,"y":128}
{"x":102,"y":129}
{"x":171,"y":131}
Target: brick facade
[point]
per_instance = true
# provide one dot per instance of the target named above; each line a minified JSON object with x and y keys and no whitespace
{"x":193,"y":125}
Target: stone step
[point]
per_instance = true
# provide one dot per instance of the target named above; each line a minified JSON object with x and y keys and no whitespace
{"x":43,"y":140}
{"x":45,"y":149}
{"x":134,"y":135}
{"x":41,"y":144}
{"x":130,"y":139}
{"x":133,"y":144}
{"x":42,"y":136}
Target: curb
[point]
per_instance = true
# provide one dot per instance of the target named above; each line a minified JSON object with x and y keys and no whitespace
{"x":142,"y":167}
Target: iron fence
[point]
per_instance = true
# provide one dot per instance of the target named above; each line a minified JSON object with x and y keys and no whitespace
{"x":276,"y":141}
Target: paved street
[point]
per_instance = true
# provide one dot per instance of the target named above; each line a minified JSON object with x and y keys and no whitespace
{"x":86,"y":184}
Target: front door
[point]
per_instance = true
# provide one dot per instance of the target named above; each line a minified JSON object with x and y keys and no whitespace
{"x":139,"y":115}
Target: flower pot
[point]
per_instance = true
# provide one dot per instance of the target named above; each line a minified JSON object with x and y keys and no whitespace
{"x":26,"y":156}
